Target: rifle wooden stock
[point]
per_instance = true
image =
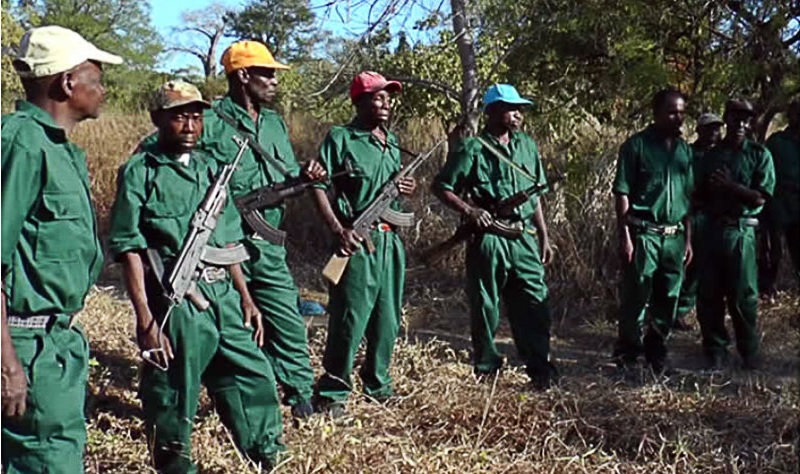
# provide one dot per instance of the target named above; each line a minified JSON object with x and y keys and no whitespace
{"x":434,"y":254}
{"x":373,"y":213}
{"x":335,"y":268}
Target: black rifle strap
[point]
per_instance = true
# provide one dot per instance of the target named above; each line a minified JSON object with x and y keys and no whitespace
{"x":252,"y":140}
{"x":500,"y":156}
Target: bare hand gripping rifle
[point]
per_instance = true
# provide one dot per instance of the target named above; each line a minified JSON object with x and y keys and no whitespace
{"x":503,"y":209}
{"x":378,"y":210}
{"x":195,"y":254}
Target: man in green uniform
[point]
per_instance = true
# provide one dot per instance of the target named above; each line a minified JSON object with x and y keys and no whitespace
{"x":367,"y":300}
{"x":252,"y":84}
{"x":783,"y":213}
{"x":499,"y":163}
{"x":159,"y":190}
{"x":734,"y":181}
{"x":652,"y":189}
{"x":51,"y":255}
{"x":709,"y":132}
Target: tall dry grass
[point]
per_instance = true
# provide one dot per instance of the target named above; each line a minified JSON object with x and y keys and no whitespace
{"x":442,"y":420}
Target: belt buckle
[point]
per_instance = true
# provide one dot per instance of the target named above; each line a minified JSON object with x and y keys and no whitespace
{"x":256,"y":236}
{"x":671,"y":230}
{"x":212,"y":274}
{"x":205,"y":275}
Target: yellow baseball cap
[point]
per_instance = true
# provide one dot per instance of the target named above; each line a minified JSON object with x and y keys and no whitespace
{"x":177,"y":93}
{"x":242,"y":54}
{"x":49,"y":50}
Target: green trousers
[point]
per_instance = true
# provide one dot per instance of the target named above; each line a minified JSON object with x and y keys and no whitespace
{"x":688,"y":297}
{"x":771,"y":262}
{"x":729,"y":275}
{"x":511,"y":270}
{"x":286,"y":345}
{"x":50,"y":437}
{"x":212,"y":346}
{"x":652,"y":280}
{"x":367,"y":303}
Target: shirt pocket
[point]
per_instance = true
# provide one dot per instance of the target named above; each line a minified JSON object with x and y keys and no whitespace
{"x":649,"y":174}
{"x":172,"y":197}
{"x":533,"y":171}
{"x":247,"y":176}
{"x":64,"y":229}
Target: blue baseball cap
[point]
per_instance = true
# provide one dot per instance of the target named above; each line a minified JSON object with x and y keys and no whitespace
{"x":503,"y":93}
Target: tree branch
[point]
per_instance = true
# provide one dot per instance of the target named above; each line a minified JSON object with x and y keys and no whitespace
{"x":434,"y":85}
{"x":180,"y":49}
{"x":196,"y":29}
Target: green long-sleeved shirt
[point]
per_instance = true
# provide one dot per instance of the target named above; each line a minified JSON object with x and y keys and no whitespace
{"x":51,"y":255}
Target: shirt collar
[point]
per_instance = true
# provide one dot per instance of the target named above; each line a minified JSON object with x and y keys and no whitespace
{"x":155,"y":154}
{"x":360,"y":133}
{"x":651,"y":133}
{"x":513,"y":138}
{"x":228,"y":106}
{"x":42,"y":117}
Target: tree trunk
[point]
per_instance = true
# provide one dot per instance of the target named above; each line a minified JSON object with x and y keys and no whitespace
{"x":468,"y":125}
{"x":210,"y":64}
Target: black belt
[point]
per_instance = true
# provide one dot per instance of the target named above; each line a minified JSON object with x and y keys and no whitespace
{"x":654,"y":228}
{"x":738,"y":221}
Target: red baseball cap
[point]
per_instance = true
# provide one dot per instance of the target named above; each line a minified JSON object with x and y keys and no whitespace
{"x":369,"y":81}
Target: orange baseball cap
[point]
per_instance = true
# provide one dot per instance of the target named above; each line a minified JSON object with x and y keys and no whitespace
{"x":242,"y":54}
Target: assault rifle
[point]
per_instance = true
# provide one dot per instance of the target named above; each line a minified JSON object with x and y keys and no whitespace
{"x":251,"y":203}
{"x":378,"y":210}
{"x":503,"y":209}
{"x":196,"y":255}
{"x":182,"y":280}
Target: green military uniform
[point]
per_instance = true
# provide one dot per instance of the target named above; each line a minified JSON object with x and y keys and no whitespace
{"x":658,"y":183}
{"x":156,"y":198}
{"x":784,"y":209}
{"x":688,"y":297}
{"x":269,"y":280}
{"x":498,"y":267}
{"x":728,"y":265}
{"x":368,"y":299}
{"x":50,"y":258}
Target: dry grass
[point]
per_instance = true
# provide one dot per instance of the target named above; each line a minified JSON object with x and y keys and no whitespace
{"x":443,"y":421}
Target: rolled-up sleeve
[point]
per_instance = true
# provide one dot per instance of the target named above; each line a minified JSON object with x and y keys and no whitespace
{"x":764,"y":174}
{"x":626,"y":169}
{"x":455,"y":172}
{"x":328,"y":158}
{"x":125,"y":234}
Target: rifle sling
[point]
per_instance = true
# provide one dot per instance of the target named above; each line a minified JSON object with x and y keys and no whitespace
{"x":500,"y":156}
{"x":252,"y":140}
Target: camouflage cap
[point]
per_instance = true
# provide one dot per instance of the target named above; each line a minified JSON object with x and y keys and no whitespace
{"x":175,"y":94}
{"x":740,"y":105}
{"x":709,"y":119}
